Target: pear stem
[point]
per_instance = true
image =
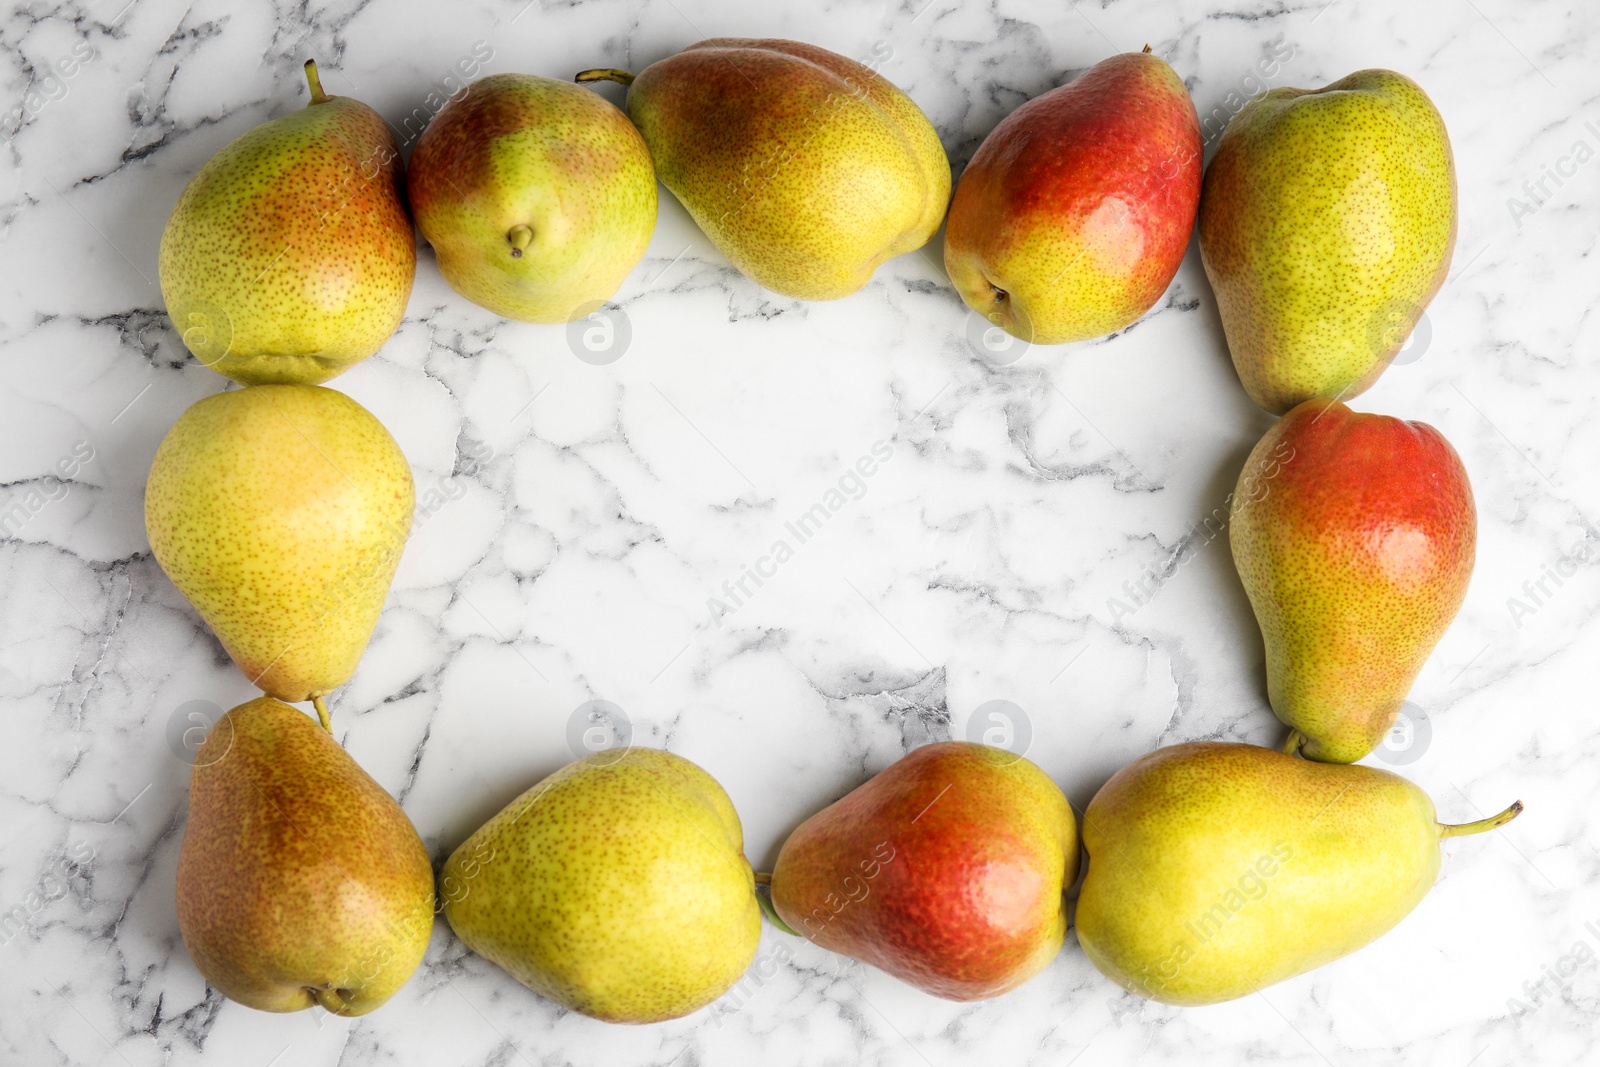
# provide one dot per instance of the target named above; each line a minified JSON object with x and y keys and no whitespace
{"x":322,"y":713}
{"x":770,"y":910}
{"x":763,"y":878}
{"x":604,"y":74}
{"x":1493,"y":822}
{"x":519,"y":237}
{"x":1292,"y":744}
{"x":314,"y":80}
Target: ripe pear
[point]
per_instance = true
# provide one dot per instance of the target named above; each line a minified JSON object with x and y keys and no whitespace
{"x":1076,"y":210}
{"x":280,"y":511}
{"x":1217,"y":869}
{"x":1354,"y":535}
{"x":537,"y":196}
{"x":616,"y":887}
{"x":289,"y":256}
{"x":946,"y":870}
{"x":806,"y":169}
{"x":300,"y":880}
{"x":1327,"y":221}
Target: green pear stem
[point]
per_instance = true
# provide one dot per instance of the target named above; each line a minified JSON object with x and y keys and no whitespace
{"x":1292,"y":743}
{"x":519,"y":237}
{"x":315,"y":81}
{"x":771,"y":912}
{"x":604,"y":74}
{"x":1493,"y":822}
{"x":322,"y":713}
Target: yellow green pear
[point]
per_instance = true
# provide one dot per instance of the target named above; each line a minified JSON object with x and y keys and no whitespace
{"x":289,"y":255}
{"x":300,"y":880}
{"x":1217,"y":869}
{"x":1327,"y":221}
{"x":616,"y":887}
{"x":804,"y":168}
{"x":537,"y":196}
{"x":280,"y":511}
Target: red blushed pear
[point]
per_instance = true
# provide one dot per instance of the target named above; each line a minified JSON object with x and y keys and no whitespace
{"x":946,"y":870}
{"x":1076,"y":210}
{"x":1354,"y":535}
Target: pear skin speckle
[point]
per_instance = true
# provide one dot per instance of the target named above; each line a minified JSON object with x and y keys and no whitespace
{"x":280,"y":511}
{"x":289,"y":256}
{"x":300,"y":880}
{"x":806,"y":169}
{"x":1217,"y":869}
{"x":1327,"y":222}
{"x":616,"y":887}
{"x":552,"y":163}
{"x":1354,"y":535}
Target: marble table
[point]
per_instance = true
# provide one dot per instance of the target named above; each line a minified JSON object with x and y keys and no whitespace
{"x":1034,"y":534}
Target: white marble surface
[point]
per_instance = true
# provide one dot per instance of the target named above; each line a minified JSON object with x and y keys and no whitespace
{"x":585,"y":513}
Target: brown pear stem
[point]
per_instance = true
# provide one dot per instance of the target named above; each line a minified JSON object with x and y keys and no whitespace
{"x":322,"y":713}
{"x":1493,"y":822}
{"x":604,"y":74}
{"x":763,"y":878}
{"x":1146,"y":49}
{"x":1292,"y":744}
{"x":315,"y":81}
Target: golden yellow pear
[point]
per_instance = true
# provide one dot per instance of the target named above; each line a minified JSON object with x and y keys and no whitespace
{"x":806,"y":169}
{"x":616,"y":887}
{"x":289,"y":256}
{"x":537,"y":196}
{"x":300,"y":880}
{"x":1217,"y":869}
{"x":280,"y":511}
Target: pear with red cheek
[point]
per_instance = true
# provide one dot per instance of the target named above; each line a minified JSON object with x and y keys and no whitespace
{"x":1354,"y":535}
{"x":946,"y":870}
{"x":1076,"y":210}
